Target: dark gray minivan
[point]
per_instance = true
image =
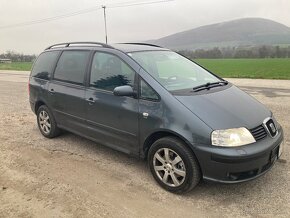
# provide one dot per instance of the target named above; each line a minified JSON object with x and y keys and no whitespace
{"x":155,"y":104}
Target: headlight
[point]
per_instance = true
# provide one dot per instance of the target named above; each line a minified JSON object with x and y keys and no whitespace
{"x":232,"y":137}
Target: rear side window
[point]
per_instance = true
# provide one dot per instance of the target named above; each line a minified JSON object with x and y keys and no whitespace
{"x":109,"y":71}
{"x":71,"y":66}
{"x":44,"y":65}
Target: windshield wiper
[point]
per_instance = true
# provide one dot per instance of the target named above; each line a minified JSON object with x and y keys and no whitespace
{"x":209,"y":86}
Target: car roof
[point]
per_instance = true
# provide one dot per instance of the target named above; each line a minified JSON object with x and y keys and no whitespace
{"x":124,"y":47}
{"x":135,"y":47}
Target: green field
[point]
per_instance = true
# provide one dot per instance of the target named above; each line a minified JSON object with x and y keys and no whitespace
{"x":229,"y":68}
{"x":24,"y":66}
{"x":249,"y":68}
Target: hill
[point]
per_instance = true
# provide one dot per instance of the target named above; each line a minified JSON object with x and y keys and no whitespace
{"x":241,"y":32}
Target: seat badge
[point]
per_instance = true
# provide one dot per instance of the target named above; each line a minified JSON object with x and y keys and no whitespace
{"x":273,"y":128}
{"x":270,"y":127}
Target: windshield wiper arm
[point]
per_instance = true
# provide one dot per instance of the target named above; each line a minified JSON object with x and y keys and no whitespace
{"x":209,"y":85}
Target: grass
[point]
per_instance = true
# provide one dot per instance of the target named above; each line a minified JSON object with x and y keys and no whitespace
{"x":228,"y":68}
{"x":20,"y":66}
{"x":249,"y":68}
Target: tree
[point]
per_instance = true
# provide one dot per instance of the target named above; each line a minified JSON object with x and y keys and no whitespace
{"x":263,"y":52}
{"x":14,"y":56}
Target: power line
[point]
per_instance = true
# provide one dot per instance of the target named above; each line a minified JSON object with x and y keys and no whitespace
{"x":134,"y":3}
{"x":80,"y":12}
{"x":75,"y":13}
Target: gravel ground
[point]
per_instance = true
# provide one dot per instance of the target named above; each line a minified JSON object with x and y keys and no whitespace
{"x":73,"y":177}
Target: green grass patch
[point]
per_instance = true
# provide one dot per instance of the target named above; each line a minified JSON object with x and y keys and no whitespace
{"x":249,"y":68}
{"x":24,"y":66}
{"x":231,"y":68}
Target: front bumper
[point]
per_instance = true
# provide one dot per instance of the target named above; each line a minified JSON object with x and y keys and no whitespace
{"x":233,"y":165}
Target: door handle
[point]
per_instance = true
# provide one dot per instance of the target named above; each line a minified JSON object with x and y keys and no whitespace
{"x":51,"y":91}
{"x":90,"y":100}
{"x":145,"y":115}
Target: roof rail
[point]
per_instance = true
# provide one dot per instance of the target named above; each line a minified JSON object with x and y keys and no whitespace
{"x":67,"y":44}
{"x":140,"y":43}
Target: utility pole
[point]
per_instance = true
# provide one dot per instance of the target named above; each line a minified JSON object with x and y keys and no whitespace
{"x":105,"y":18}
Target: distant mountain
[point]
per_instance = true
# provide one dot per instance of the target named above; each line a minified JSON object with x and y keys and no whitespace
{"x":241,"y":32}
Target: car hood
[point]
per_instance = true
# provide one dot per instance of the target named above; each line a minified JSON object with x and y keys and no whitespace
{"x":228,"y":108}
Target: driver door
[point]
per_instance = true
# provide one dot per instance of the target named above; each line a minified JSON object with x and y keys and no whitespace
{"x":112,"y":120}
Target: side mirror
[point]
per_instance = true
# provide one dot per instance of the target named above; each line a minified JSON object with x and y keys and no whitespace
{"x":124,"y":91}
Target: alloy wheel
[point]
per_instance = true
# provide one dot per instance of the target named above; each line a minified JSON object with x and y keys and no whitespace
{"x":44,"y":122}
{"x":169,"y":167}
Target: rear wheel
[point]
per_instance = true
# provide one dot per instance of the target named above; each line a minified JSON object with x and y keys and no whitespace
{"x":173,"y":165}
{"x":46,"y":122}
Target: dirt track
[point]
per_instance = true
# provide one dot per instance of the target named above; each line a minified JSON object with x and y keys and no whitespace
{"x":73,"y":177}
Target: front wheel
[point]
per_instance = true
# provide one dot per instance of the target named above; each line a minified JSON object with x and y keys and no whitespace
{"x":173,"y":165}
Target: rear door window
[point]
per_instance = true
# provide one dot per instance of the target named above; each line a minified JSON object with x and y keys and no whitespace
{"x":71,"y":66}
{"x":44,"y":65}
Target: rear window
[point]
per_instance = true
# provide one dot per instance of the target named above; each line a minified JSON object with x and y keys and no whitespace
{"x":71,"y":66}
{"x":44,"y":64}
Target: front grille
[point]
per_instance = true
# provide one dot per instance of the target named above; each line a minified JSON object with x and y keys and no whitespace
{"x":259,"y":132}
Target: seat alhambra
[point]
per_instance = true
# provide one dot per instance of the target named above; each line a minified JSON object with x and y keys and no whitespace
{"x":152,"y":103}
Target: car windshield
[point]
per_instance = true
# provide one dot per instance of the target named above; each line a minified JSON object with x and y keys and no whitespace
{"x":172,"y":70}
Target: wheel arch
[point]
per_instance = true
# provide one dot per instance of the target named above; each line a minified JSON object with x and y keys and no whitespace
{"x":38,"y":104}
{"x":161,"y":134}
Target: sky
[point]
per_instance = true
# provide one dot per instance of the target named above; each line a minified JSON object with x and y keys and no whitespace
{"x":125,"y":24}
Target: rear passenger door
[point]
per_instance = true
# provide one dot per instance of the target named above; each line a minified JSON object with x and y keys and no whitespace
{"x":67,"y":90}
{"x":112,"y":120}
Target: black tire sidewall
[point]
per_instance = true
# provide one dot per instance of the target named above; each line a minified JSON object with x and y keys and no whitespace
{"x":180,"y":148}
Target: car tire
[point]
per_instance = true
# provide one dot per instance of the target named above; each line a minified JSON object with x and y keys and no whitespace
{"x":46,"y":122}
{"x":173,"y":165}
